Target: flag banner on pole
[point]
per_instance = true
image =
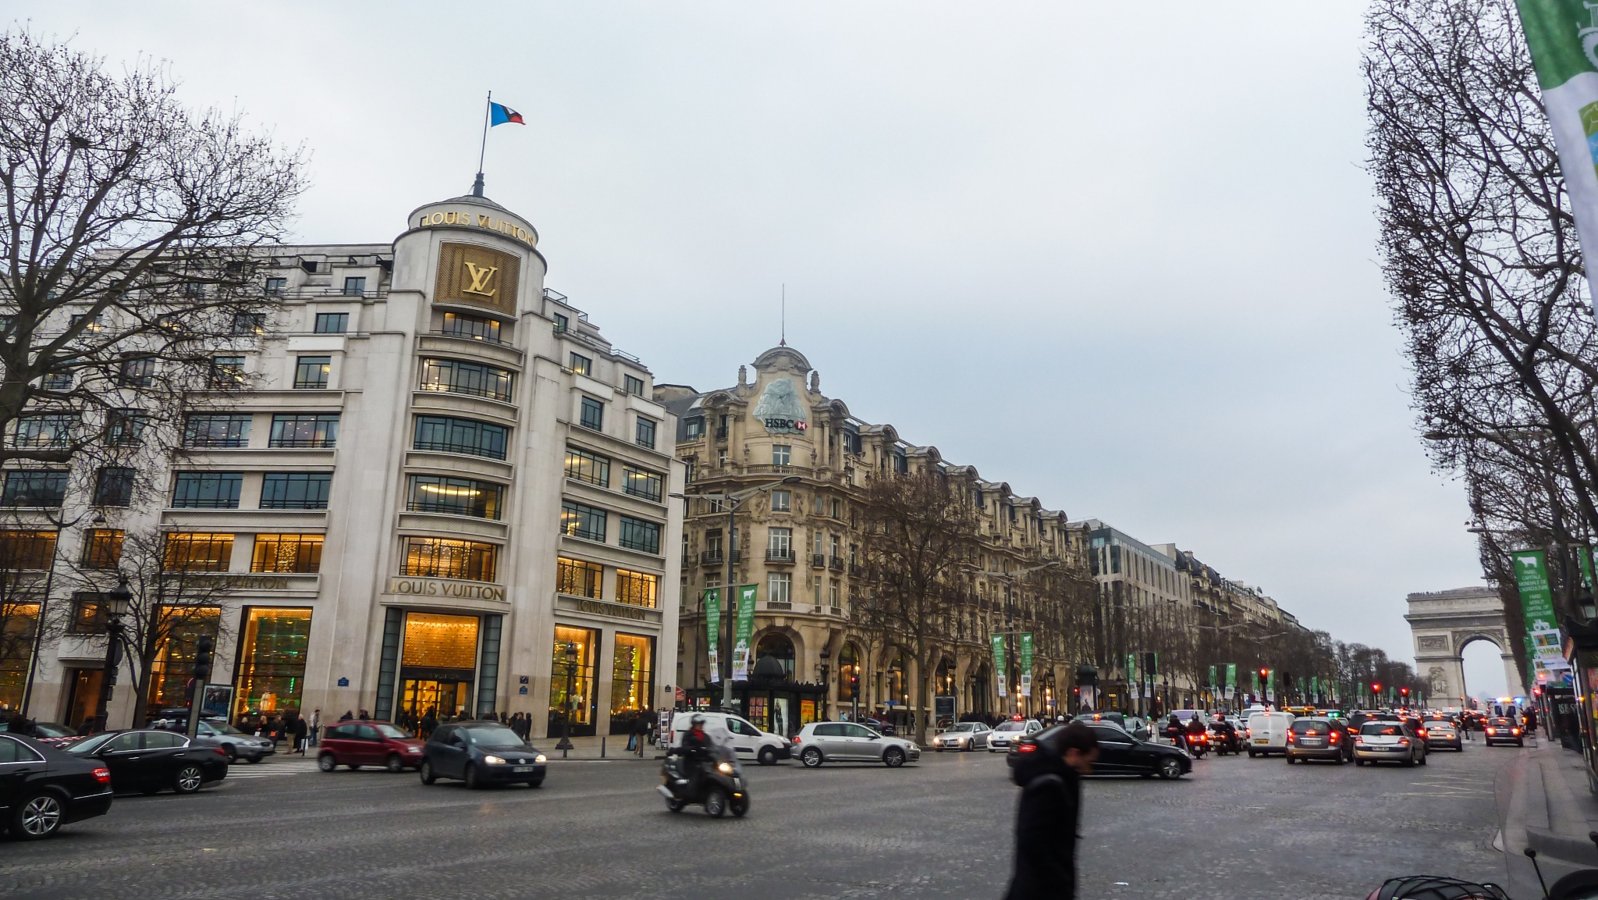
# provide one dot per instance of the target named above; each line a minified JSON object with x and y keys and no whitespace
{"x":998,"y":664}
{"x":1231,"y":677}
{"x":1211,"y":683}
{"x":1131,"y":668}
{"x":1584,"y":560}
{"x":1563,"y":38}
{"x":746,"y":632}
{"x":1537,"y":604}
{"x":1026,"y":663}
{"x":713,"y":630}
{"x":500,"y":114}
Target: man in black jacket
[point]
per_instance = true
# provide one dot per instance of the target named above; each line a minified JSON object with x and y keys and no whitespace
{"x":1047,"y":818}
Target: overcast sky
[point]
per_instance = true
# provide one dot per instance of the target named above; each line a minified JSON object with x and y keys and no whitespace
{"x":1122,"y":256}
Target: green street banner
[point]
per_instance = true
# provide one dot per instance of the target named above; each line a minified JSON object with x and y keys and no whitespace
{"x":1231,"y":678}
{"x":1211,"y":683}
{"x":1584,"y":557}
{"x":1270,"y":685}
{"x":1563,"y":38}
{"x":746,"y":632}
{"x":1131,"y":673}
{"x":1026,"y":663}
{"x":1537,"y":604}
{"x":1315,"y":686}
{"x":713,"y":630}
{"x":999,"y":667}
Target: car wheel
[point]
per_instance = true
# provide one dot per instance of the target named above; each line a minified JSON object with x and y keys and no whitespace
{"x":470,"y":777}
{"x":426,"y":772}
{"x":716,"y":802}
{"x":1289,"y":757}
{"x":231,"y":754}
{"x":1170,"y":768}
{"x":37,"y":817}
{"x":395,"y":764}
{"x":1252,"y":754}
{"x":811,"y":757}
{"x":326,"y":762}
{"x":893,"y":757}
{"x":188,"y":780}
{"x":739,"y":807}
{"x":768,"y":756}
{"x":675,"y":805}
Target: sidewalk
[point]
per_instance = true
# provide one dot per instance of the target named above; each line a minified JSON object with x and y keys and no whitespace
{"x":1544,"y":803}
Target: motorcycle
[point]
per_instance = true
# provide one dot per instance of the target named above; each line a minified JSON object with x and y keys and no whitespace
{"x":1198,"y":743}
{"x":1578,"y":885}
{"x":721,"y":784}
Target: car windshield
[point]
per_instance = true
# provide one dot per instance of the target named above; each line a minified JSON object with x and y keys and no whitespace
{"x":51,"y":730}
{"x":90,"y":745}
{"x":1499,"y":722}
{"x":492,"y":736}
{"x":1381,"y":728}
{"x":1303,"y":727}
{"x":391,"y":731}
{"x":1010,"y":726}
{"x":965,"y":726}
{"x":223,"y":728}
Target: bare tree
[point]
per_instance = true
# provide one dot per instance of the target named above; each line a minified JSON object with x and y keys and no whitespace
{"x":129,"y":229}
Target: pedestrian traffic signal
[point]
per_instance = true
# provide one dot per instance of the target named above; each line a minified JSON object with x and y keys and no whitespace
{"x":1404,"y":691}
{"x":202,"y":656}
{"x":1265,"y":675}
{"x":1376,"y":687}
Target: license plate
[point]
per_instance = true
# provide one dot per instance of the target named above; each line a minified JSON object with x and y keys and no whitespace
{"x":520,"y":769}
{"x":1262,"y":740}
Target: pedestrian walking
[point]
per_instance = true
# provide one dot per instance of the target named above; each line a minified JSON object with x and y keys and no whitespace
{"x":1050,"y":813}
{"x":429,"y":722}
{"x":347,"y":716}
{"x":302,"y":735}
{"x":641,"y":731}
{"x":315,"y":725}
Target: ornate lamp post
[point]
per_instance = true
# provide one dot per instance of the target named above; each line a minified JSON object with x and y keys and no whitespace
{"x":115,"y":603}
{"x":565,"y":744}
{"x":825,"y":656}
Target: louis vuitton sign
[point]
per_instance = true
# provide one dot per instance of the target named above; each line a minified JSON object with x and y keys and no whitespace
{"x":477,"y":275}
{"x":438,"y":587}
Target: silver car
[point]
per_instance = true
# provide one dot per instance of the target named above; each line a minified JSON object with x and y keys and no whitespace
{"x":821,"y":742}
{"x":1005,"y":733}
{"x":234,"y":743}
{"x":962,"y":736}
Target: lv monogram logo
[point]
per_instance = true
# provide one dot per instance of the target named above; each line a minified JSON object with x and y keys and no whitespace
{"x":481,"y":277}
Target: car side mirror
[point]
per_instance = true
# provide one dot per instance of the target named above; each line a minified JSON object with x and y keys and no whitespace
{"x":875,"y":736}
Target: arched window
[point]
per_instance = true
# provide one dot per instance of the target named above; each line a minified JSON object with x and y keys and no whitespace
{"x":848,"y":669}
{"x":778,"y":647}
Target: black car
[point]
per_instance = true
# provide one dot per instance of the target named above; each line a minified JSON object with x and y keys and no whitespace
{"x":151,"y":760}
{"x":42,"y":788}
{"x":480,"y":753}
{"x":1119,"y":752}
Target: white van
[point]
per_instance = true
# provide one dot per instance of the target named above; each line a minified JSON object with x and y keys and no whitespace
{"x":1267,"y":732}
{"x":736,"y":732}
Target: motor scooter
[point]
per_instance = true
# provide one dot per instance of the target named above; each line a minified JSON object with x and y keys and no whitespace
{"x":721,"y":784}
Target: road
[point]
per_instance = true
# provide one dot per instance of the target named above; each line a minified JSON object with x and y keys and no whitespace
{"x":939,"y":829}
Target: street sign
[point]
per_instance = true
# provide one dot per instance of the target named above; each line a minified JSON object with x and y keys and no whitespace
{"x":943,"y":706}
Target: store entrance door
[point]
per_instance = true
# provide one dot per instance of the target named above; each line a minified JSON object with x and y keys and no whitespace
{"x":83,"y":695}
{"x":446,"y":697}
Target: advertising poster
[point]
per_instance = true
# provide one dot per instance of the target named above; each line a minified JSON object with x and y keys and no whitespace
{"x":713,"y":630}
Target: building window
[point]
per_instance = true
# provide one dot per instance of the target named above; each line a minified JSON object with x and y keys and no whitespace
{"x":578,"y":578}
{"x":315,"y":430}
{"x":781,"y":501}
{"x":88,"y":613}
{"x":249,"y":323}
{"x":632,"y":676}
{"x":227,"y":372}
{"x":452,"y":435}
{"x":295,"y":490}
{"x":174,"y":659}
{"x":194,"y":551}
{"x":137,"y":372}
{"x":694,"y":428}
{"x":645,"y":436}
{"x":593,"y":414}
{"x":332,"y":323}
{"x":287,"y":553}
{"x":26,"y":550}
{"x":581,"y":364}
{"x":124,"y":427}
{"x":52,"y":430}
{"x":637,"y":534}
{"x":354,"y":286}
{"x":447,"y":558}
{"x":580,"y":676}
{"x":633,"y":385}
{"x":228,"y":430}
{"x":457,"y":377}
{"x":478,"y":328}
{"x":207,"y":490}
{"x":58,"y":381}
{"x":713,"y":545}
{"x":562,"y":324}
{"x":582,"y":520}
{"x":113,"y":486}
{"x":637,"y":588}
{"x":781,"y":454}
{"x":275,"y":287}
{"x":779,"y":543}
{"x":779,"y":588}
{"x":102,"y":548}
{"x":642,"y":483}
{"x":270,"y":674}
{"x":311,"y":372}
{"x":588,"y":467}
{"x":454,"y":496}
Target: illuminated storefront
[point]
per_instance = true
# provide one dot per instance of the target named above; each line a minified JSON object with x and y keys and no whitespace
{"x":16,"y":649}
{"x":270,"y":673}
{"x":579,"y":675}
{"x":631,"y":676}
{"x":174,"y":657}
{"x":438,"y":666}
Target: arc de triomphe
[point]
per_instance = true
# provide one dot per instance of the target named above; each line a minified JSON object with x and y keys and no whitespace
{"x":1443,"y":622}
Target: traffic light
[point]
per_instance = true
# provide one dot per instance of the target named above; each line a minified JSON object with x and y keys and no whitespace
{"x":1265,"y":675}
{"x":1376,"y":688}
{"x":1537,"y":690}
{"x":1404,"y":692}
{"x":202,"y":656}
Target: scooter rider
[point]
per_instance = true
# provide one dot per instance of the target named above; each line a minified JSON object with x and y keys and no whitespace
{"x":1195,"y":729}
{"x":695,"y":750}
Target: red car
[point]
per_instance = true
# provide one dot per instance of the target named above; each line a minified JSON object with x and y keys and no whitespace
{"x":362,"y":743}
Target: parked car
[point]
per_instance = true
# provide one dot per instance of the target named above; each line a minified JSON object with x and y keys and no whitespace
{"x":43,"y":732}
{"x":747,"y":741}
{"x":1500,"y":730}
{"x":151,"y":760}
{"x":963,"y":736}
{"x":878,"y":725}
{"x":1382,"y":741}
{"x":1006,"y":732}
{"x":1267,"y":733}
{"x":1443,"y":733}
{"x":42,"y":788}
{"x":820,"y":742}
{"x":233,"y":743}
{"x":1134,"y":725}
{"x":364,"y":743}
{"x":481,"y":753}
{"x":1119,"y":753}
{"x":1314,"y":738}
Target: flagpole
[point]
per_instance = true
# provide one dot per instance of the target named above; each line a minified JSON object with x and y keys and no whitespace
{"x":482,"y":150}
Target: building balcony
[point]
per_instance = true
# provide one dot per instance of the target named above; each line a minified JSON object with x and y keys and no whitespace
{"x":818,"y":560}
{"x":774,"y":555}
{"x":835,"y":564}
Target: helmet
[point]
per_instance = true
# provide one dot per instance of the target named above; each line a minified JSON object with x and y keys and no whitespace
{"x":697,"y":721}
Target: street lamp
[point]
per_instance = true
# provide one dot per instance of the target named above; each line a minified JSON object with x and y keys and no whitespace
{"x":825,"y":655}
{"x":565,"y":744}
{"x":115,"y":603}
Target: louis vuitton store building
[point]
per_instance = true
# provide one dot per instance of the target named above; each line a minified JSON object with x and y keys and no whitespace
{"x":442,"y":490}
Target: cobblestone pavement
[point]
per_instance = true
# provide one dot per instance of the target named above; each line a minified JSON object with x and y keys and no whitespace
{"x":1236,"y":827}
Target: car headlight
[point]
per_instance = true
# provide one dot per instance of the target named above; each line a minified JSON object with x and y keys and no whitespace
{"x":724,"y":768}
{"x":540,"y":759}
{"x":494,"y":760}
